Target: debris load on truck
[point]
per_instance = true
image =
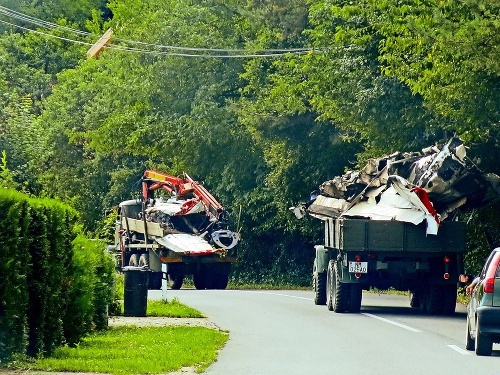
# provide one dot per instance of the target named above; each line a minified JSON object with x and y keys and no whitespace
{"x":411,"y":187}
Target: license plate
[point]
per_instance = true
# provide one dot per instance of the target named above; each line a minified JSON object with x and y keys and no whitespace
{"x":358,"y":267}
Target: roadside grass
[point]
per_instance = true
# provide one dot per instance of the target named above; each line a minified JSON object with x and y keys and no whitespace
{"x":129,"y":350}
{"x":172,"y":309}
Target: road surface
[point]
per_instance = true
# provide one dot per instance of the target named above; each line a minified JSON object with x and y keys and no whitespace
{"x":283,"y":332}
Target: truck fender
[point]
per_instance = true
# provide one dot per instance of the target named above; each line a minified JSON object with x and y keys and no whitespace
{"x":322,"y":258}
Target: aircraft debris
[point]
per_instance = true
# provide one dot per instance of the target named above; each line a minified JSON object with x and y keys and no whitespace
{"x":412,"y":187}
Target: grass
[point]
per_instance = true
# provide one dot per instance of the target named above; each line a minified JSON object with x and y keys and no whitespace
{"x":129,"y":350}
{"x":172,"y":309}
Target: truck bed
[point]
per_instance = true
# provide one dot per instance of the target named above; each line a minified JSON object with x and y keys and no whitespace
{"x":393,"y":236}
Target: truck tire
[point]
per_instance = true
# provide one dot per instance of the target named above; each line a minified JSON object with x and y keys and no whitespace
{"x":319,"y":288}
{"x":219,"y":280}
{"x":134,"y":260}
{"x":199,"y":279}
{"x":355,"y":297}
{"x":414,"y":299}
{"x":434,"y":300}
{"x":337,"y":293}
{"x":449,"y":299}
{"x":423,"y":299}
{"x":329,"y":286}
{"x":175,"y":280}
{"x":484,"y":344}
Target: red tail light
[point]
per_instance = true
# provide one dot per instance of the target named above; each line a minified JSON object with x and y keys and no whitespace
{"x":446,"y":259}
{"x":358,"y":258}
{"x":446,"y":276}
{"x":489,"y":282}
{"x":489,"y":285}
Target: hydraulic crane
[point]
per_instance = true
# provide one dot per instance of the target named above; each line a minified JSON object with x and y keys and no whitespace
{"x":177,"y":222}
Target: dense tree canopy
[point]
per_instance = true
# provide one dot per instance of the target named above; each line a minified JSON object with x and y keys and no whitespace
{"x":262,"y":100}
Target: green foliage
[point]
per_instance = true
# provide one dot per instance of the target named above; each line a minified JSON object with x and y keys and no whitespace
{"x":106,"y":228}
{"x":447,"y":52}
{"x":483,"y":236}
{"x":6,"y":175}
{"x":52,"y":10}
{"x":50,"y":231}
{"x":90,"y":289}
{"x":52,"y":290}
{"x":14,"y":268}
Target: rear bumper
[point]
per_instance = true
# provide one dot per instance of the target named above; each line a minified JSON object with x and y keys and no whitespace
{"x":489,"y":320}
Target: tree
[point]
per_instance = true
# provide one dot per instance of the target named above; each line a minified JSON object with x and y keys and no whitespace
{"x":447,"y":52}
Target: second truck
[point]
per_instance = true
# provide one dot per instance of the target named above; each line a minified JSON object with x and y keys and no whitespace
{"x":176,"y":222}
{"x":394,"y":225}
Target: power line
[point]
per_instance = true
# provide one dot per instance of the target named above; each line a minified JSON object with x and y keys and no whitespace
{"x":158,"y":48}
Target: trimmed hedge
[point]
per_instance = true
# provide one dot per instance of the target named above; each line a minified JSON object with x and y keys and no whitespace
{"x":55,"y":285}
{"x":14,"y":265}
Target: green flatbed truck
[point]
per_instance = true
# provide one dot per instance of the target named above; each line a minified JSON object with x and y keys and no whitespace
{"x":360,"y":254}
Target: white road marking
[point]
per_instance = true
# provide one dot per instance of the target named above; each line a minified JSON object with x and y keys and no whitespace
{"x":458,"y":349}
{"x":273,"y":294}
{"x":392,"y":322}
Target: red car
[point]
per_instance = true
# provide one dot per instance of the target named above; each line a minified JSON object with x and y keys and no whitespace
{"x":483,"y":311}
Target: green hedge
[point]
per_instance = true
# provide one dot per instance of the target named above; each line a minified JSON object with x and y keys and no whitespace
{"x":14,"y":265}
{"x":55,"y":285}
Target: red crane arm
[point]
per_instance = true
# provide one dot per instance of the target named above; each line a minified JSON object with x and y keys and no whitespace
{"x":212,"y":205}
{"x":153,"y":180}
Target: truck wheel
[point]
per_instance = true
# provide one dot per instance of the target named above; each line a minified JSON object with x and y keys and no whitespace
{"x":434,"y":303}
{"x":219,"y":280}
{"x":355,"y":297}
{"x":449,"y":299}
{"x":319,"y":288}
{"x":134,"y":260}
{"x":337,"y":293}
{"x":422,"y":299}
{"x":199,"y":279}
{"x":414,"y":299}
{"x":175,"y":280}
{"x":329,"y":286}
{"x":484,"y":344}
{"x":470,"y":344}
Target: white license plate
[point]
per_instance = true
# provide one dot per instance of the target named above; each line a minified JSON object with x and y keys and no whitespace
{"x":358,"y":267}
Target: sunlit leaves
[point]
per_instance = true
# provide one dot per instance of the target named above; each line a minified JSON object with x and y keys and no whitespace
{"x":446,"y":51}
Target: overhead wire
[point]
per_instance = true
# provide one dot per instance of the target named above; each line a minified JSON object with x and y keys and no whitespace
{"x":158,"y":49}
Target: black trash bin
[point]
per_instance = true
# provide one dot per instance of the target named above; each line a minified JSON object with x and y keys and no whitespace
{"x":135,"y":298}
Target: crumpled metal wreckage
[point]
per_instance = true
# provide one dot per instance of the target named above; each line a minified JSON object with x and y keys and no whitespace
{"x":430,"y":185}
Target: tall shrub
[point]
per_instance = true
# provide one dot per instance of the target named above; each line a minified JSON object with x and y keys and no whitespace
{"x":55,"y":286}
{"x":14,"y":220}
{"x":90,"y":289}
{"x":51,"y":255}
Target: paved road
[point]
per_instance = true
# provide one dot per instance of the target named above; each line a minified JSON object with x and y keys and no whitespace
{"x":283,"y":332}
